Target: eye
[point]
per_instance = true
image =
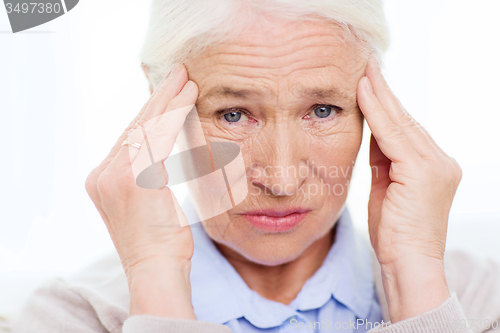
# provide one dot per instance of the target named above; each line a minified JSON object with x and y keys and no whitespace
{"x":235,"y":117}
{"x":323,"y":111}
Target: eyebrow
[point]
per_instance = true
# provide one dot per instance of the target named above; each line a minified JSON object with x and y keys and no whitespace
{"x":225,"y":91}
{"x":321,"y":93}
{"x":230,"y":92}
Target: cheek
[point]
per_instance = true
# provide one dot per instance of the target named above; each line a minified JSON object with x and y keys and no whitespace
{"x":244,"y":140}
{"x":213,"y":169}
{"x":334,"y":155}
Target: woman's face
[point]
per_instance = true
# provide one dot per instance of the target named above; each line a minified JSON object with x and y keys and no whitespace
{"x":286,"y":94}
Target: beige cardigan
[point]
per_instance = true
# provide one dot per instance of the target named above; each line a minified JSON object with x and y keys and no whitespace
{"x":96,"y":300}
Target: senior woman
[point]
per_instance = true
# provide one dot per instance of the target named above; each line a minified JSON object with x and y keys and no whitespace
{"x":288,"y":83}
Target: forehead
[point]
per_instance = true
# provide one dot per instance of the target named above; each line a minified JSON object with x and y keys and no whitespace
{"x":278,"y":56}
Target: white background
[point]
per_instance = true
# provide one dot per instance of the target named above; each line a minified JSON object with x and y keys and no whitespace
{"x":69,"y":87}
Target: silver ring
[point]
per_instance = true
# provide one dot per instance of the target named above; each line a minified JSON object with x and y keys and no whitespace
{"x":131,"y":144}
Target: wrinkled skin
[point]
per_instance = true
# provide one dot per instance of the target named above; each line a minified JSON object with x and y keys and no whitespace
{"x":282,"y":76}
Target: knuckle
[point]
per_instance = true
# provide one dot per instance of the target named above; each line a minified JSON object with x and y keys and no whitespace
{"x":437,"y":171}
{"x":407,"y":121}
{"x":103,"y":184}
{"x":458,"y":173}
{"x":142,"y":122}
{"x":110,"y":182}
{"x":159,"y":139}
{"x":448,"y":174}
{"x":392,"y":131}
{"x":91,"y":183}
{"x":448,"y":171}
{"x":124,"y":179}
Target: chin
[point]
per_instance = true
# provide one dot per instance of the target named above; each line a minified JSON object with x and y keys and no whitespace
{"x":273,"y":253}
{"x":269,"y":249}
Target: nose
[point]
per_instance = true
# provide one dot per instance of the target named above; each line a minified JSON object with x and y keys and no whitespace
{"x":279,"y":158}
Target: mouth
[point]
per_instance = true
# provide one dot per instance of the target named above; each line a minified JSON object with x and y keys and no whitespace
{"x":274,"y":220}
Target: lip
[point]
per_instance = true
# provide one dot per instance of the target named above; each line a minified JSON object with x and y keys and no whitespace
{"x":276,"y":220}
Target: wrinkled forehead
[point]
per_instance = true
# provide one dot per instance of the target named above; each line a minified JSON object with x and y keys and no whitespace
{"x":299,"y":55}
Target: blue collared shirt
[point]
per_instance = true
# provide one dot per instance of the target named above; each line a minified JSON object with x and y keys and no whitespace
{"x":340,"y":296}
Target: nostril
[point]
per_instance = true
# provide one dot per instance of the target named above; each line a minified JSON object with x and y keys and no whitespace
{"x":278,"y":180}
{"x":285,"y":190}
{"x":282,"y":186}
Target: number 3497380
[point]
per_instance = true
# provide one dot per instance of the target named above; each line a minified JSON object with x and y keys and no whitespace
{"x":33,"y":7}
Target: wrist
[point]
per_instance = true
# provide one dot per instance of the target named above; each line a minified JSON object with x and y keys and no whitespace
{"x":161,"y":289}
{"x":413,"y":285}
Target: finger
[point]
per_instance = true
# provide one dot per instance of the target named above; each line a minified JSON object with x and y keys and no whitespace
{"x":380,"y":166}
{"x":384,"y":94}
{"x":160,"y":139}
{"x":165,"y":92}
{"x":157,"y":104}
{"x":377,"y":158}
{"x":152,"y":103}
{"x":415,"y":132}
{"x":390,"y":138}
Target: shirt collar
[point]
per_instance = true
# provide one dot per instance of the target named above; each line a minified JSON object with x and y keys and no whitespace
{"x":219,"y":294}
{"x":346,"y":273}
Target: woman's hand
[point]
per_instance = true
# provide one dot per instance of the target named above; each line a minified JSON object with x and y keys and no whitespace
{"x":145,"y":224}
{"x":413,"y":185}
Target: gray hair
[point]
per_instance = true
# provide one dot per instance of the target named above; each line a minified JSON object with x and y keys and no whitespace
{"x":180,"y":29}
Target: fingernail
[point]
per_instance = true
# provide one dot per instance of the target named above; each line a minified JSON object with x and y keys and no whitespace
{"x":367,"y":85}
{"x":175,"y":70}
{"x":189,"y":86}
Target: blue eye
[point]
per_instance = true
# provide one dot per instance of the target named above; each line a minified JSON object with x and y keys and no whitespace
{"x":232,"y":117}
{"x":235,"y":117}
{"x":323,"y":111}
